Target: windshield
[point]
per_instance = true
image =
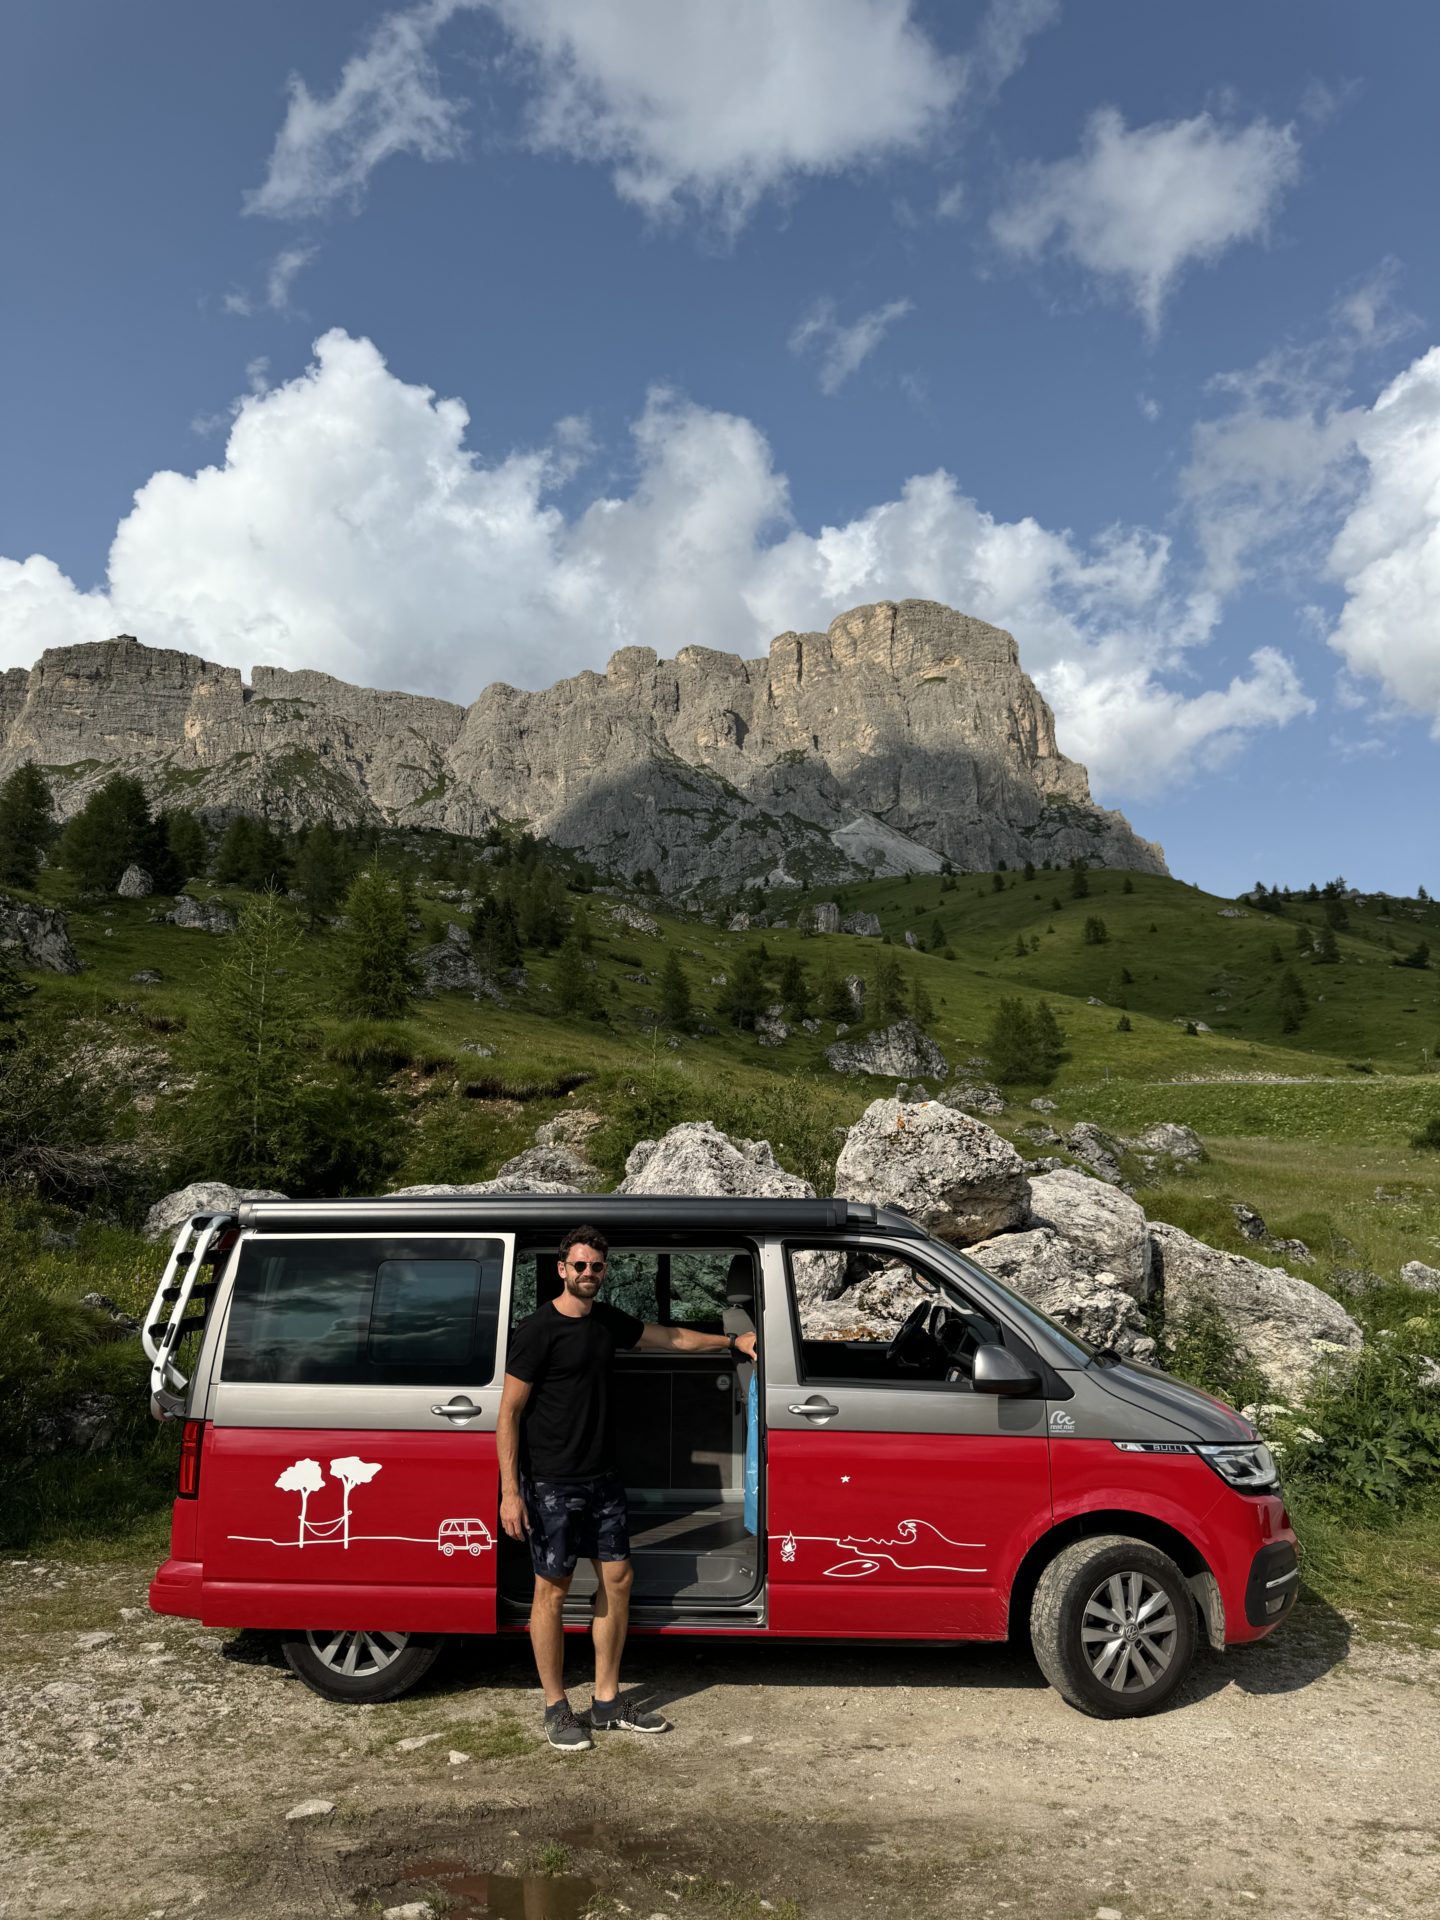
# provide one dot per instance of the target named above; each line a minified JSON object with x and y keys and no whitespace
{"x":1028,"y":1314}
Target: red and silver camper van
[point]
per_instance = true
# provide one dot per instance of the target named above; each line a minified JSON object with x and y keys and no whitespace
{"x":981,"y":1471}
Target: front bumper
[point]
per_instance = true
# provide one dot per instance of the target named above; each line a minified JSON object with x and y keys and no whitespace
{"x":1273,"y":1584}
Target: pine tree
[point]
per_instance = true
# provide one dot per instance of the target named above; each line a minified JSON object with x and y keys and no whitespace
{"x":835,"y":1002}
{"x":794,"y":989}
{"x":500,"y":936}
{"x":922,"y":1008}
{"x":1096,"y":932}
{"x":1327,"y":948}
{"x":1122,"y":1025}
{"x":1020,"y":947}
{"x":1128,"y":886}
{"x":676,"y":1007}
{"x":937,"y":936}
{"x":1079,"y":881}
{"x":1010,"y":1043}
{"x":1049,"y":1037}
{"x":888,"y":993}
{"x":1029,"y":869}
{"x":185,"y":839}
{"x":576,"y":988}
{"x":321,"y":869}
{"x":27,"y":824}
{"x":246,"y":1118}
{"x":112,"y":831}
{"x":746,"y":992}
{"x":997,"y":883}
{"x":376,"y":975}
{"x":13,"y":992}
{"x":1292,"y":1001}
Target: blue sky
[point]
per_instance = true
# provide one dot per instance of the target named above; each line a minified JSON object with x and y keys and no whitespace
{"x":468,"y":340}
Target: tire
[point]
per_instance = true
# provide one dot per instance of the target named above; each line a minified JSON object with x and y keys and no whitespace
{"x":383,"y":1665}
{"x":1113,"y":1581}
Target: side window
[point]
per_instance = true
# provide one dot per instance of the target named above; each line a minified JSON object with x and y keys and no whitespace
{"x":872,"y":1315}
{"x":357,"y":1312}
{"x":689,"y":1287}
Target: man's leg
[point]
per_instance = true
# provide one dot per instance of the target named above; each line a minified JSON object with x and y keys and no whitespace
{"x":547,"y":1634}
{"x":612,"y":1618}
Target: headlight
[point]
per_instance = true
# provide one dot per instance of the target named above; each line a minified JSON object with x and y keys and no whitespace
{"x":1250,"y":1467}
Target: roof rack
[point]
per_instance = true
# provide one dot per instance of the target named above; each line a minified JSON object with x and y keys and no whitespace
{"x":165,"y":1324}
{"x":675,"y":1214}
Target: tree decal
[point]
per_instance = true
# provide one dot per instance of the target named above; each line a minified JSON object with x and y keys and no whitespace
{"x":353,"y":1472}
{"x":304,"y":1478}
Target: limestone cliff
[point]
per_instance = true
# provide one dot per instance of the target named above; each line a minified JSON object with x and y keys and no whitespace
{"x":904,"y":735}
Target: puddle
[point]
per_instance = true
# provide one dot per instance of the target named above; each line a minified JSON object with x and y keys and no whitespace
{"x":501,"y":1896}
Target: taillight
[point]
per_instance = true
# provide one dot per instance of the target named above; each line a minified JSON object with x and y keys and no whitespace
{"x":188,"y":1486}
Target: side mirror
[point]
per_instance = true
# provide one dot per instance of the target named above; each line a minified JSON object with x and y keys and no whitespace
{"x":997,"y":1370}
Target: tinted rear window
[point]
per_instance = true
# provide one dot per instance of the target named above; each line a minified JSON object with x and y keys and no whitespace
{"x":382,"y":1312}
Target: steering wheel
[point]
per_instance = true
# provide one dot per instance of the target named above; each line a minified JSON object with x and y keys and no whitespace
{"x":914,"y":1341}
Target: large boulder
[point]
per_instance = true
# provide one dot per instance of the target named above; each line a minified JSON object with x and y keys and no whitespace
{"x":1050,"y":1272}
{"x":974,"y":1096}
{"x":950,"y":1172}
{"x":1415,"y":1273}
{"x":697,"y":1158}
{"x":135,"y":884}
{"x":1099,"y":1150}
{"x":480,"y":1189}
{"x":1284,"y":1325}
{"x":164,"y":1219}
{"x":823,"y":917}
{"x":1174,"y":1141}
{"x":866,"y":925}
{"x":557,"y":1165}
{"x":571,"y":1128}
{"x":633,"y":918}
{"x":37,"y":937}
{"x":203,"y":916}
{"x":1105,"y":1227}
{"x":445,"y":968}
{"x":895,"y":1053}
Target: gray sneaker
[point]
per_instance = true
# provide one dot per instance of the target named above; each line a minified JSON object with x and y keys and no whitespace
{"x":564,"y":1731}
{"x":624,"y":1716}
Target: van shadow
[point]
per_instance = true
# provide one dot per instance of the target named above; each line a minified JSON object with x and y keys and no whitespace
{"x":1312,"y":1642}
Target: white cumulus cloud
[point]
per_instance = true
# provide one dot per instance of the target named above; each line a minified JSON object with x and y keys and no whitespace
{"x":1387,"y":552}
{"x":841,"y":349}
{"x":722,"y":105}
{"x":352,"y":527}
{"x":1137,"y":206}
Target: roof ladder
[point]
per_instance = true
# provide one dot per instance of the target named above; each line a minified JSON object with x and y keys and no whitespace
{"x":165,"y":1324}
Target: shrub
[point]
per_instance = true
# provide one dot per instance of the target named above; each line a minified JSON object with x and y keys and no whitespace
{"x":1203,"y":1351}
{"x":1368,"y":1440}
{"x":1427,"y":1139}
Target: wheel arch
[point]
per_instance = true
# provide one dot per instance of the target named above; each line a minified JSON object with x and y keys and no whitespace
{"x":1136,"y":1526}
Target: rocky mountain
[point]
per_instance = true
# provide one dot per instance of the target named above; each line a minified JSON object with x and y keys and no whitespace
{"x":905,"y":735}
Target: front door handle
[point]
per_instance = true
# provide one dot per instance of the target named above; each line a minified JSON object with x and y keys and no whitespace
{"x":815,"y":1408}
{"x":457,"y":1407}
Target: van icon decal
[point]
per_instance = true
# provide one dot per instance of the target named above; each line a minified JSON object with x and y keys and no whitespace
{"x":1061,"y":1422}
{"x":915,"y":1548}
{"x":306,"y":1477}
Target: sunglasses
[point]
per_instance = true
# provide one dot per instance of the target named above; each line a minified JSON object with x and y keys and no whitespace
{"x":588,"y":1266}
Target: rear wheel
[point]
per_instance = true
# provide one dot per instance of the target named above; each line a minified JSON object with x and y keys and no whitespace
{"x":357,"y":1666}
{"x":1113,"y":1626}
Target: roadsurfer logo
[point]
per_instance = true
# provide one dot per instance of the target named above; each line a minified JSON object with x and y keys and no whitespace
{"x":1060,"y":1422}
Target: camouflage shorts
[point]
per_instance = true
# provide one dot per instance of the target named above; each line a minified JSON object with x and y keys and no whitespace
{"x":574,"y":1520}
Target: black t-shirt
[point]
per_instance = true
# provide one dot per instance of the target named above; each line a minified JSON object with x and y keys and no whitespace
{"x":565,"y":1430}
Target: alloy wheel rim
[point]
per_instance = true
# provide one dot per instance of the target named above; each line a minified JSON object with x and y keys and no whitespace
{"x":356,"y":1654}
{"x":1129,"y":1631}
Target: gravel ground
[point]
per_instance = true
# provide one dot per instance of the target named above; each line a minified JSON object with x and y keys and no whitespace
{"x":147,"y":1768}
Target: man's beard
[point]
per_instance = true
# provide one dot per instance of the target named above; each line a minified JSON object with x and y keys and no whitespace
{"x":583,"y":1288}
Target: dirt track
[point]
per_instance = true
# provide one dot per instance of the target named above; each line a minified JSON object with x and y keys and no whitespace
{"x":151,"y":1775}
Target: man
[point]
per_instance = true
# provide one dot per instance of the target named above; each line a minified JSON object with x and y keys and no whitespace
{"x":558,"y":1483}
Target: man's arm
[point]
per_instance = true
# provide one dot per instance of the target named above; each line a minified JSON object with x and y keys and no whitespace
{"x":513,"y":1517}
{"x":686,"y":1340}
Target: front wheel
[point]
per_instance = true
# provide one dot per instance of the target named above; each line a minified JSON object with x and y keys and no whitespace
{"x":1113,"y":1626}
{"x":360,"y":1667}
